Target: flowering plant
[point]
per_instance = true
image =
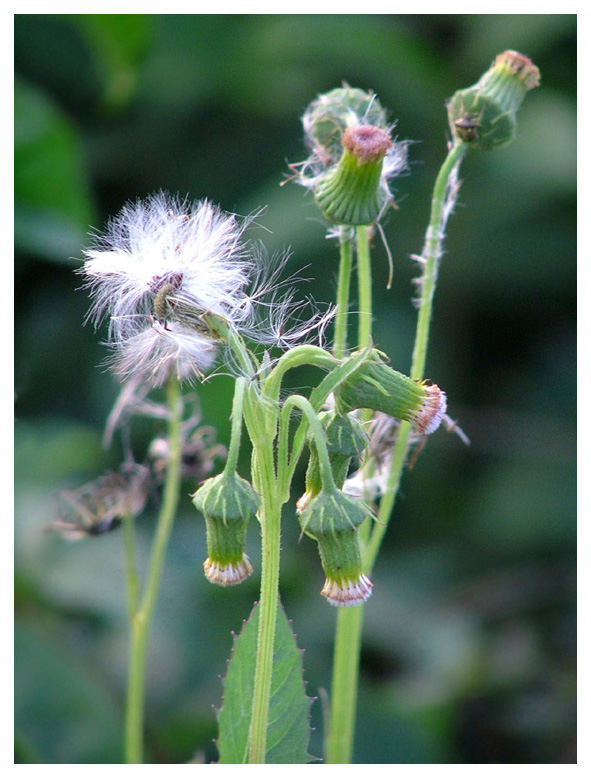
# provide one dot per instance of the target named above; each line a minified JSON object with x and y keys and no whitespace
{"x":178,"y":283}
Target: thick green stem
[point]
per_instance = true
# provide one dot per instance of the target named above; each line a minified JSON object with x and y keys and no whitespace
{"x":270,"y":520}
{"x":345,"y":680}
{"x":142,"y":618}
{"x":347,"y":646}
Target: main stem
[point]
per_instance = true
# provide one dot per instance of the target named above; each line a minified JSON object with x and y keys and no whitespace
{"x":270,"y":520}
{"x":141,"y":620}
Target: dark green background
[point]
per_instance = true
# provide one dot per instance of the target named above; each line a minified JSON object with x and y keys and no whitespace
{"x":469,"y":651}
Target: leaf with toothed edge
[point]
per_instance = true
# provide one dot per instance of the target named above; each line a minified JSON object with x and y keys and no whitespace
{"x":288,"y":732}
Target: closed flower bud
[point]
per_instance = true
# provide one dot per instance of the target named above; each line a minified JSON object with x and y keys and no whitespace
{"x":227,"y":502}
{"x":345,"y":439}
{"x":351,"y":193}
{"x":329,"y":116}
{"x":484,"y":115}
{"x":332,"y":519}
{"x":377,"y":386}
{"x":352,"y":156}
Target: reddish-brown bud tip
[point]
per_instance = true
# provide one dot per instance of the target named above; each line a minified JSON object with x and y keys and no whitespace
{"x":366,"y":142}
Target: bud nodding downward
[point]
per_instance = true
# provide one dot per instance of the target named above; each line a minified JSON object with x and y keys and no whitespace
{"x":227,"y":502}
{"x":332,"y":519}
{"x":484,"y":115}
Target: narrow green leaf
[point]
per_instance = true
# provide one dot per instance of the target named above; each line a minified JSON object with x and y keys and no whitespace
{"x":289,"y":715}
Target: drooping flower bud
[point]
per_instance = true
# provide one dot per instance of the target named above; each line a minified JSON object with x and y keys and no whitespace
{"x":377,"y":386}
{"x":345,"y":439}
{"x":484,"y":115}
{"x":227,"y":502}
{"x":332,"y":519}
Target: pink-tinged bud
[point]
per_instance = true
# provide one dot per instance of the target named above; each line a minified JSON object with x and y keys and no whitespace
{"x":227,"y":573}
{"x":347,"y":592}
{"x":351,"y":193}
{"x":375,"y":385}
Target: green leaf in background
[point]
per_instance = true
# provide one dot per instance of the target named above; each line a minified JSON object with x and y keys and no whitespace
{"x":63,"y":713}
{"x":53,"y":201}
{"x":119,"y":43}
{"x":289,"y":715}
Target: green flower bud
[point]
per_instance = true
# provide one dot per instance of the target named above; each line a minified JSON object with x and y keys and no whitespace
{"x":345,"y":439}
{"x":352,"y":156}
{"x":227,"y":503}
{"x":332,"y":519}
{"x":377,"y":386}
{"x":484,"y":114}
{"x":351,"y":193}
{"x":329,"y":117}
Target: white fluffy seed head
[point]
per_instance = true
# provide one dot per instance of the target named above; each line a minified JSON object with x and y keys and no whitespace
{"x":194,"y":248}
{"x":159,"y":266}
{"x":162,"y":264}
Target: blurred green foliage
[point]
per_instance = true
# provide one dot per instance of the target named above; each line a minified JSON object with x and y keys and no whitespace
{"x":469,"y":652}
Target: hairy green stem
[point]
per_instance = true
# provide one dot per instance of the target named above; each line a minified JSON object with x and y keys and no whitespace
{"x":440,"y":207}
{"x":141,"y":619}
{"x":364,"y":288}
{"x":344,"y":284}
{"x":270,"y":521}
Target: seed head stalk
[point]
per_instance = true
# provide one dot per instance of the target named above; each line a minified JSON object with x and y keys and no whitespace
{"x":342,"y":311}
{"x":141,"y":615}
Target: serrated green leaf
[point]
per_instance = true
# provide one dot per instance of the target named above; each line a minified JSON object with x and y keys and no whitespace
{"x":288,"y":732}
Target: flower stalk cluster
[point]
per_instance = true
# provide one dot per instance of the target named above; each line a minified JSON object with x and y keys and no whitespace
{"x":178,"y":282}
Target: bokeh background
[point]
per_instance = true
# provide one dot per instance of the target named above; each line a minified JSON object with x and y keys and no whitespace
{"x":470,"y":636}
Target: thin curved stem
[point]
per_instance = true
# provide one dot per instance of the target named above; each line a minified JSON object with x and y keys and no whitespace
{"x":344,"y":284}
